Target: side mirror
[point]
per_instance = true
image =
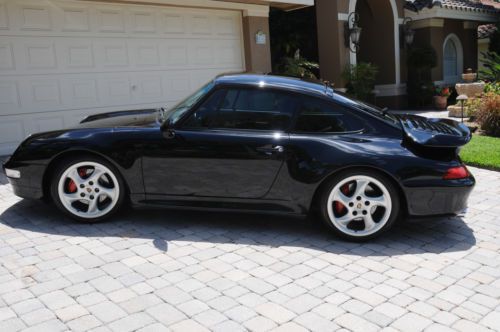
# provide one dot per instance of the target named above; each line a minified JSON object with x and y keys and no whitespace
{"x":168,"y":130}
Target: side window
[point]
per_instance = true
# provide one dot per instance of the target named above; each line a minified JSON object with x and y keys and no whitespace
{"x":255,"y":109}
{"x":244,"y":109}
{"x":206,"y":113}
{"x":318,"y":116}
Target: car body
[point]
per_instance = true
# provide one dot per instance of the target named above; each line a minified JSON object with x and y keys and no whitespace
{"x":261,"y":159}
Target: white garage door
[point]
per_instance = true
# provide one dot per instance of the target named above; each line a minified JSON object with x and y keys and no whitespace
{"x":63,"y":60}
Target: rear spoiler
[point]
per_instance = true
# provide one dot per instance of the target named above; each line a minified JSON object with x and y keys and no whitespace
{"x":434,"y":132}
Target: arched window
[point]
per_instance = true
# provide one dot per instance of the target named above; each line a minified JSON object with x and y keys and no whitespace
{"x":452,"y":59}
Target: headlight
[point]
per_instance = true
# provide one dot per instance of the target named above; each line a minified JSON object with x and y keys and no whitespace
{"x":12,"y":173}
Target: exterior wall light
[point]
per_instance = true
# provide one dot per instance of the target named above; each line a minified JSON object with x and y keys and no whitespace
{"x":406,"y":32}
{"x":352,"y":32}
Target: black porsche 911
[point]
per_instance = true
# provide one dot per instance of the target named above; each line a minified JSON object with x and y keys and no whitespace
{"x":253,"y":143}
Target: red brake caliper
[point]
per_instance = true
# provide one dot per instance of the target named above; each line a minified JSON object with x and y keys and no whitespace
{"x":72,"y":185}
{"x":339,"y":207}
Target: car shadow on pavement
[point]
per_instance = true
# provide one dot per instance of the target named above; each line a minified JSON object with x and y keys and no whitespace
{"x":162,"y":226}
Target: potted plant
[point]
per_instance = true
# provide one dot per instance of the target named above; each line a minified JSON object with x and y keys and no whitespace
{"x":441,"y":95}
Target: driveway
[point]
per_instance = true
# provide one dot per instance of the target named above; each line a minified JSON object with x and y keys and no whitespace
{"x":186,"y":271}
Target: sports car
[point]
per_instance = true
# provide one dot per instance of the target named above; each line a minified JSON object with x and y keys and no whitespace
{"x":253,"y":143}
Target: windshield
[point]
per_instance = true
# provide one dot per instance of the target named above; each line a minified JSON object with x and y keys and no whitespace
{"x":176,"y":112}
{"x":381,"y":113}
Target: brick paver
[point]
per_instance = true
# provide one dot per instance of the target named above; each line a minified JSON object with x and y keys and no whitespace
{"x":156,"y":270}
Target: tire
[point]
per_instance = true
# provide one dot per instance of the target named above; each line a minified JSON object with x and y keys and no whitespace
{"x":359,"y":205}
{"x":84,"y":195}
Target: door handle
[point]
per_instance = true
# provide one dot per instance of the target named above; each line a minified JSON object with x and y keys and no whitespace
{"x":271,"y":150}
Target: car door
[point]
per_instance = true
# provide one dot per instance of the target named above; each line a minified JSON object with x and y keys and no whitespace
{"x":232,"y":146}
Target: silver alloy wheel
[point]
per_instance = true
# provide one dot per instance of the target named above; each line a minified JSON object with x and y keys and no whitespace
{"x":363,"y":200}
{"x":93,"y":195}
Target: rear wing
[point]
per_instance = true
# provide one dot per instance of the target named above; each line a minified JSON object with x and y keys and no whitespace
{"x":433,"y":132}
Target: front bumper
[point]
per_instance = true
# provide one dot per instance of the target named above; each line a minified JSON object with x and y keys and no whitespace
{"x":29,"y":184}
{"x":449,"y":199}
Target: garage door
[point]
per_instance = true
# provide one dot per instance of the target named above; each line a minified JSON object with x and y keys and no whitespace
{"x":63,"y":60}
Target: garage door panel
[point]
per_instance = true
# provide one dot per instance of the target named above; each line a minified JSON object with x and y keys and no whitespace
{"x":74,"y":18}
{"x":9,"y":97}
{"x":61,"y":61}
{"x":76,"y":54}
{"x":6,"y":57}
{"x":48,"y":55}
{"x":110,"y":19}
{"x":143,"y":22}
{"x":173,"y":23}
{"x":4,"y":21}
{"x":227,"y":26}
{"x":80,"y":92}
{"x":42,"y":94}
{"x":145,"y":53}
{"x":48,"y":122}
{"x":11,"y":131}
{"x":34,"y":16}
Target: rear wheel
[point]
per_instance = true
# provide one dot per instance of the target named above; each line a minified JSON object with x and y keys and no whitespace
{"x":87,"y":189}
{"x":359,"y":205}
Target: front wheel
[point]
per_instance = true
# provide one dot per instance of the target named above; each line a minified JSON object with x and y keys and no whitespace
{"x":87,"y":189}
{"x":359,"y":205}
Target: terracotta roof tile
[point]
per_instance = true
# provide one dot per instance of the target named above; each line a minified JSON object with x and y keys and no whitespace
{"x":485,"y":31}
{"x":466,"y":5}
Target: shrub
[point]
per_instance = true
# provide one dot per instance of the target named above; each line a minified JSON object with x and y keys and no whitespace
{"x":297,"y":67}
{"x":360,"y":80}
{"x":492,"y":87}
{"x":491,"y":71}
{"x":472,"y":107}
{"x":488,"y":114}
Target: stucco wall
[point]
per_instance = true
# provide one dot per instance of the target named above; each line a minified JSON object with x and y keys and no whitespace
{"x":331,"y":50}
{"x":435,"y":36}
{"x":377,"y":38}
{"x":257,"y":56}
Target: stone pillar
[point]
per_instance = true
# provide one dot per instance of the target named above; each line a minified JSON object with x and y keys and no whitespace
{"x":257,"y":56}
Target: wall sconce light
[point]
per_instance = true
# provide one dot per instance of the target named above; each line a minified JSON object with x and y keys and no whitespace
{"x":260,"y":38}
{"x":352,"y":32}
{"x":407,"y":34}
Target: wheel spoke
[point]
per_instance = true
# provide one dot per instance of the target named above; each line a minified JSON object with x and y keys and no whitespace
{"x":71,"y":197}
{"x":345,"y":219}
{"x":378,"y":201}
{"x":361,"y":187}
{"x":342,"y":198}
{"x":96,"y":174}
{"x":77,"y":179}
{"x":92,"y":206}
{"x":369,"y":223}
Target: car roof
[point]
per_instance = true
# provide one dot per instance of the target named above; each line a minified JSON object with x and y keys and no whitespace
{"x":283,"y":82}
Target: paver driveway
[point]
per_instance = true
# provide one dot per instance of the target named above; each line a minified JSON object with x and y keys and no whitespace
{"x":154,"y":270}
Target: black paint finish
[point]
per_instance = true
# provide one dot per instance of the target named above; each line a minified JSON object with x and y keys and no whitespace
{"x":164,"y":164}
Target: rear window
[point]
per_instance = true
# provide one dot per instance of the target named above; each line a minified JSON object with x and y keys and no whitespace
{"x":318,"y":116}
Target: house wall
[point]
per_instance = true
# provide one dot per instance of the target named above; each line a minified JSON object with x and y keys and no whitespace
{"x":375,"y":47}
{"x":257,"y":56}
{"x":332,"y":53}
{"x":434,"y":32}
{"x":378,"y":45}
{"x":482,"y":47}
